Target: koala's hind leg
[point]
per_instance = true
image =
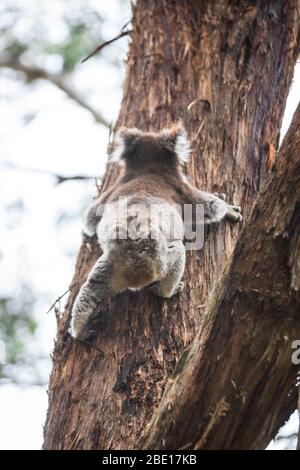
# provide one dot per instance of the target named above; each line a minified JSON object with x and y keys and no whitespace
{"x":94,"y":213}
{"x":90,"y":298}
{"x":171,"y":284}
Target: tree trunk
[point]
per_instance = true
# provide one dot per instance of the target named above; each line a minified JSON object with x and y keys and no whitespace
{"x":251,"y":322}
{"x":224,"y":68}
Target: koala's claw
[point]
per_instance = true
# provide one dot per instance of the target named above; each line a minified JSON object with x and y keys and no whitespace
{"x":84,"y":335}
{"x":233,"y":213}
{"x":73,"y":333}
{"x":221,"y":196}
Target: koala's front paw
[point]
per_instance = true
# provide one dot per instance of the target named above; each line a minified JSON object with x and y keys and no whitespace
{"x":72,"y":332}
{"x":76,"y":330}
{"x":221,"y":196}
{"x":83,"y":326}
{"x":84,"y":334}
{"x":233,"y":213}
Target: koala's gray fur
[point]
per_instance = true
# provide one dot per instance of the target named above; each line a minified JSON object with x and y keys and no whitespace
{"x":151,"y":176}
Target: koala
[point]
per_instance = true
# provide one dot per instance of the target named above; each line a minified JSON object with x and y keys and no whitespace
{"x":139,"y":223}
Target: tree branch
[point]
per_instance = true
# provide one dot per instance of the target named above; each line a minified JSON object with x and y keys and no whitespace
{"x":36,"y":73}
{"x":59,"y":178}
{"x":250,"y":323}
{"x":58,"y":299}
{"x":106,"y":43}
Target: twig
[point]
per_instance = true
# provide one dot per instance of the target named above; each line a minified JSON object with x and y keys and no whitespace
{"x":107,"y":43}
{"x":35,"y":73}
{"x":60,"y":178}
{"x":125,"y":25}
{"x":58,"y":299}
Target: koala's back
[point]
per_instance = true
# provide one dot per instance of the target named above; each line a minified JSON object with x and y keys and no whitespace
{"x":139,"y":220}
{"x":156,"y":185}
{"x":135,"y":233}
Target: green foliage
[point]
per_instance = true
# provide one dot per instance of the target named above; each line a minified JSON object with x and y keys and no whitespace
{"x":15,"y":48}
{"x":17,"y":328}
{"x":27,"y":34}
{"x":72,"y":51}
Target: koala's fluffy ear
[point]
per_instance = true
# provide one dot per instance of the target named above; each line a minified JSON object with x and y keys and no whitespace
{"x":124,"y":142}
{"x":177,"y":141}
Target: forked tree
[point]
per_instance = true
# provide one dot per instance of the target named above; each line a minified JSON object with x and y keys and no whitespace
{"x":210,"y":368}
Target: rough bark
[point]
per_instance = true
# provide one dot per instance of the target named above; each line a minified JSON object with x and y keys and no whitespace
{"x":251,"y":322}
{"x":223,"y":68}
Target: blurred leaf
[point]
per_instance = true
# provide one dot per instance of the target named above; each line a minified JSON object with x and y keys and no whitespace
{"x":81,"y":23}
{"x":28,"y":117}
{"x":17,"y":328}
{"x":74,"y":49}
{"x":15,"y":48}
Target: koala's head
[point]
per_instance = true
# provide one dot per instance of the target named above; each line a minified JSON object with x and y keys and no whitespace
{"x":169,"y":148}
